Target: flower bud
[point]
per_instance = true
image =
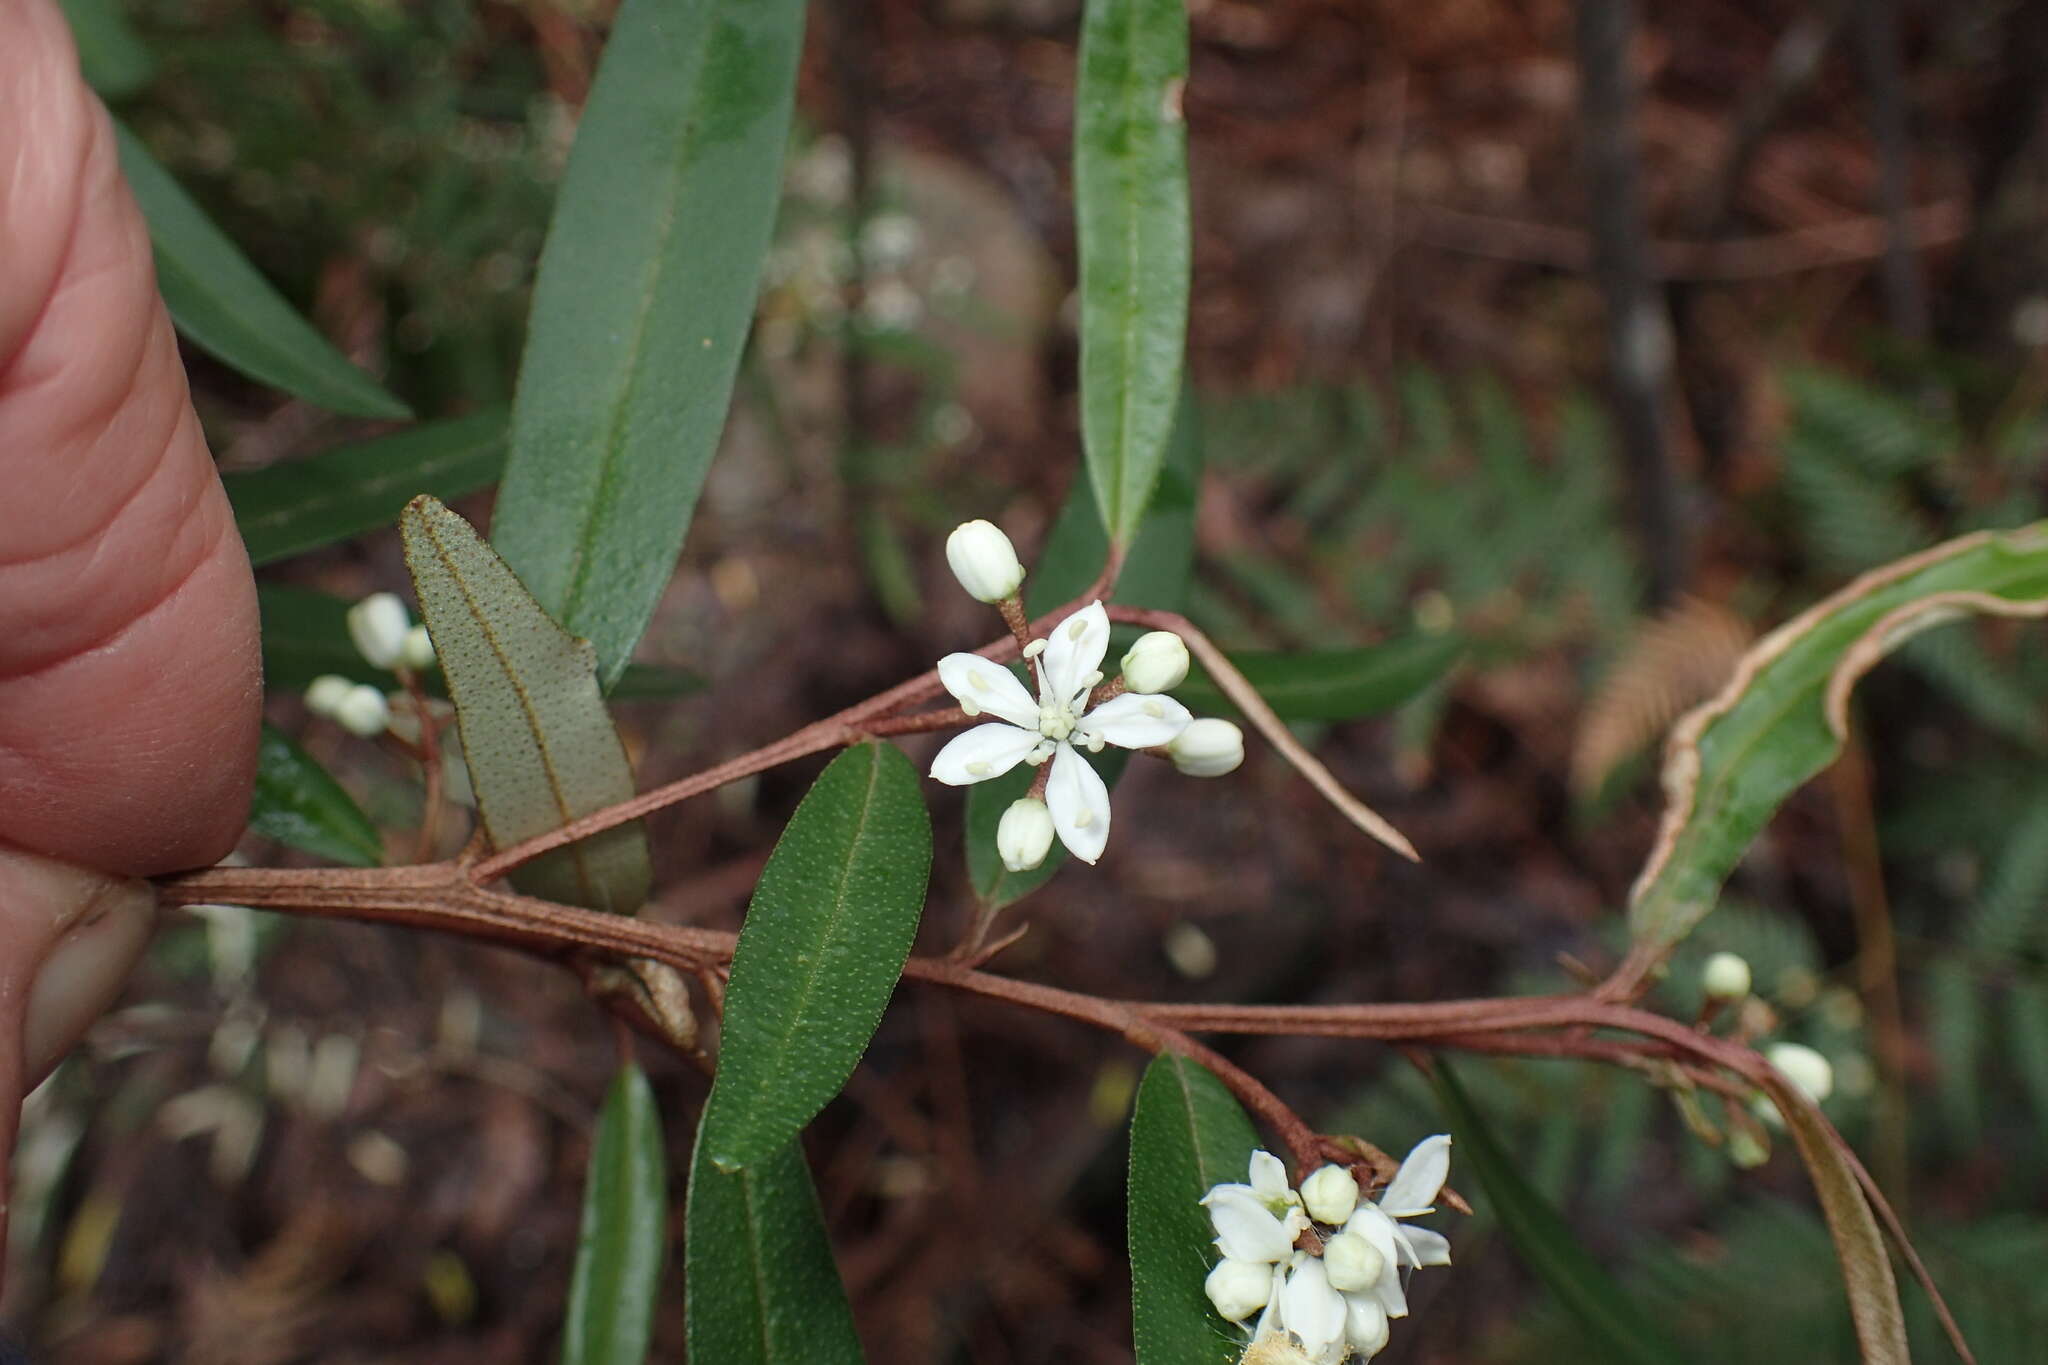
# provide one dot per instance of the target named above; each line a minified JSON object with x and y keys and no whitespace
{"x":1207,"y":748}
{"x":363,"y":712}
{"x":1330,"y":1194}
{"x":1239,"y":1288}
{"x":1024,"y":836}
{"x":1366,"y":1326}
{"x":984,"y":561}
{"x":1352,"y":1263}
{"x":417,"y":651}
{"x":324,"y":694}
{"x":1725,"y":977}
{"x":1804,"y":1067}
{"x":378,"y":624}
{"x":1158,"y":662}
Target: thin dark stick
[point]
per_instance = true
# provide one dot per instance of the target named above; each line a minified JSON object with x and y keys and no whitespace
{"x":1877,"y":47}
{"x":1638,"y":333}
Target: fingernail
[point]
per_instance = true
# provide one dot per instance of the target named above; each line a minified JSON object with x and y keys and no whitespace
{"x":79,"y":932}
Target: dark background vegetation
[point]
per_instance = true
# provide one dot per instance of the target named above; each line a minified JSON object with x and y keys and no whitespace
{"x":1420,"y":232}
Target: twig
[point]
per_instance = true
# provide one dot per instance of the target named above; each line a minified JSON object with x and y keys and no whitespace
{"x":1638,"y":332}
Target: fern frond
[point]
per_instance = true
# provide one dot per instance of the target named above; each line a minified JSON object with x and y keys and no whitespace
{"x":1673,"y":663}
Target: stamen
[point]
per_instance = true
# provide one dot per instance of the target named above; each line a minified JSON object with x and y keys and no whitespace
{"x":977,"y":682}
{"x":1084,"y":819}
{"x":1154,"y":710}
{"x":1078,"y":629}
{"x":1034,"y":649}
{"x":978,"y":770}
{"x":968,"y":707}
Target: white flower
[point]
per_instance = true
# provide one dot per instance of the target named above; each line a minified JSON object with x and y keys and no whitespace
{"x":984,"y":561}
{"x":1239,"y":1288}
{"x":1158,"y":662}
{"x":1805,"y":1068}
{"x":1411,"y":1194}
{"x":1725,"y":977}
{"x":1069,"y":667}
{"x":417,"y":651}
{"x":325,"y":693}
{"x":378,"y":625}
{"x":1024,"y":835}
{"x":1257,"y":1222}
{"x":1330,"y":1194}
{"x":1207,"y":748}
{"x":363,"y":712}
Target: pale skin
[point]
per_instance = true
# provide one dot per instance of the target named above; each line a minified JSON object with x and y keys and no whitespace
{"x":130,"y":682}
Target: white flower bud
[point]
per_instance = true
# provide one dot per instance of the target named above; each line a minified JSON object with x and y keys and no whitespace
{"x":1725,"y":977}
{"x":418,"y":649}
{"x":378,"y":624}
{"x":1804,"y":1067}
{"x":1158,"y":662}
{"x":1239,"y":1288}
{"x":1330,"y":1194}
{"x":363,"y":712}
{"x":984,"y":561}
{"x":324,"y":694}
{"x":1352,"y":1263}
{"x":1024,"y":836}
{"x":1365,"y":1325}
{"x":1207,"y":748}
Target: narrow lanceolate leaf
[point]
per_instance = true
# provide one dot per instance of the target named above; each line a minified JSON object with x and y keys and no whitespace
{"x":825,"y":937}
{"x":1331,"y":684}
{"x":1131,"y":216}
{"x":111,"y":54}
{"x":1783,"y":716}
{"x":759,"y":1286}
{"x":1187,"y":1134}
{"x":300,"y":505}
{"x":540,"y":746}
{"x":645,"y":291}
{"x":1546,"y":1242}
{"x":625,"y":1220}
{"x":298,"y":803}
{"x":226,"y":308}
{"x":1866,"y":1268}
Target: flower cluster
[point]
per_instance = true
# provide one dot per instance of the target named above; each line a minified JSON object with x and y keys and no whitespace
{"x":1324,"y":1269}
{"x":384,"y":634}
{"x":1073,"y":711}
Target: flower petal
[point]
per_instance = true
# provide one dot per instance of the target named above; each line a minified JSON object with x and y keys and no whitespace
{"x":1137,"y":720}
{"x":1079,"y":803}
{"x":1422,"y":1174}
{"x":981,"y":753}
{"x":1313,"y":1311}
{"x":980,"y":684}
{"x":1426,"y":1247}
{"x":1245,"y":1229}
{"x":1269,"y":1175}
{"x":1073,"y":652}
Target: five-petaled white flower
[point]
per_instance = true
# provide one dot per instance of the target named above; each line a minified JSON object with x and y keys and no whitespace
{"x":1051,"y":727}
{"x":1323,"y":1309}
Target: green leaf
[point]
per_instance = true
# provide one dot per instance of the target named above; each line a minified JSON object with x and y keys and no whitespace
{"x":761,"y":1288}
{"x":645,"y":290}
{"x":540,"y":746}
{"x":1131,"y":216}
{"x":1734,"y":760}
{"x":298,"y":803}
{"x":826,"y":935}
{"x":1546,"y":1243}
{"x":1331,"y":684}
{"x":1187,"y":1134}
{"x":300,"y":505}
{"x":111,"y":54}
{"x":305,"y":634}
{"x":1162,"y":558}
{"x":625,"y":1221}
{"x":226,"y":308}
